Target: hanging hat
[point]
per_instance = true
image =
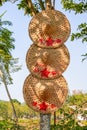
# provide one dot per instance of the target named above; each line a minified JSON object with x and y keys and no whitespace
{"x":49,"y":29}
{"x":45,"y":96}
{"x":47,"y":63}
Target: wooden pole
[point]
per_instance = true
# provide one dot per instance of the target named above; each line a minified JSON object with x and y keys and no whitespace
{"x":45,"y":121}
{"x":54,"y":118}
{"x":46,"y":118}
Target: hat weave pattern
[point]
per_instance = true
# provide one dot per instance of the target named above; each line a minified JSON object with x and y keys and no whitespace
{"x":49,"y":29}
{"x":47,"y":63}
{"x":45,"y":96}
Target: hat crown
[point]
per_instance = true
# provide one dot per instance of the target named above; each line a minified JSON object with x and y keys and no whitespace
{"x":43,"y":92}
{"x":48,"y":29}
{"x":45,"y":56}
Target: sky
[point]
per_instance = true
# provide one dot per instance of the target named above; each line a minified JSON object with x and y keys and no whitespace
{"x":76,"y":72}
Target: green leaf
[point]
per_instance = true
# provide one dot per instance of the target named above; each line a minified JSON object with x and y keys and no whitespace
{"x":72,"y":37}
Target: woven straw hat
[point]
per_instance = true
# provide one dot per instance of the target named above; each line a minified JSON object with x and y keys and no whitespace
{"x":49,"y":29}
{"x":47,"y":63}
{"x":45,"y":96}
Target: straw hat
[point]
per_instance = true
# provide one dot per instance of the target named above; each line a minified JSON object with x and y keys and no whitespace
{"x":47,"y":63}
{"x":49,"y":28}
{"x":45,"y":96}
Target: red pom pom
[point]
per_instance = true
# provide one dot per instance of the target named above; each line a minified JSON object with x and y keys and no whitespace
{"x":58,"y":41}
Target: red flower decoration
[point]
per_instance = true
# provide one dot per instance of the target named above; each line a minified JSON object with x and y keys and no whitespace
{"x":34,"y":103}
{"x":53,"y":106}
{"x":45,"y":73}
{"x":49,"y":41}
{"x":43,"y":106}
{"x":41,"y":40}
{"x":36,"y":69}
{"x":58,"y":40}
{"x":53,"y":72}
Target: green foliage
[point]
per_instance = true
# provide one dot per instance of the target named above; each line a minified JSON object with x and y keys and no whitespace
{"x":79,"y":6}
{"x":68,"y":127}
{"x":66,"y":116}
{"x":2,"y":1}
{"x":22,"y":110}
{"x":82,"y":34}
{"x":8,"y":64}
{"x":16,"y":101}
{"x":3,"y":110}
{"x":30,"y":123}
{"x":85,"y":56}
{"x":6,"y":39}
{"x":24,"y":5}
{"x":8,"y":125}
{"x":37,"y":6}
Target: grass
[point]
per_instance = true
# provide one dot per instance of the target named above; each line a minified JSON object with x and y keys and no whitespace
{"x":33,"y":124}
{"x":29,"y":124}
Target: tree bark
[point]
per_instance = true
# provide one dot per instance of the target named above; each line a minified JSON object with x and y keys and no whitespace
{"x":30,"y":5}
{"x":13,"y":108}
{"x":54,"y":3}
{"x":45,"y":121}
{"x":54,"y":118}
{"x":41,"y":4}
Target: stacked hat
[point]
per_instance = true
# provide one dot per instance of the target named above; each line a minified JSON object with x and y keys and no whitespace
{"x":45,"y":96}
{"x":49,"y":29}
{"x":45,"y":89}
{"x":47,"y":63}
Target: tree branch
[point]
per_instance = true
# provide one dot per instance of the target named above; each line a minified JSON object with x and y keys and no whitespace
{"x":54,"y":3}
{"x":13,"y":1}
{"x":30,"y":4}
{"x":48,"y":4}
{"x":41,"y":4}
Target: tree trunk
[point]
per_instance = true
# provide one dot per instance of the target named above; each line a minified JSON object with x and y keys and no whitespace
{"x":32,"y":9}
{"x":41,"y":3}
{"x":45,"y":121}
{"x":48,"y":4}
{"x":54,"y":3}
{"x":13,"y":108}
{"x":54,"y":118}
